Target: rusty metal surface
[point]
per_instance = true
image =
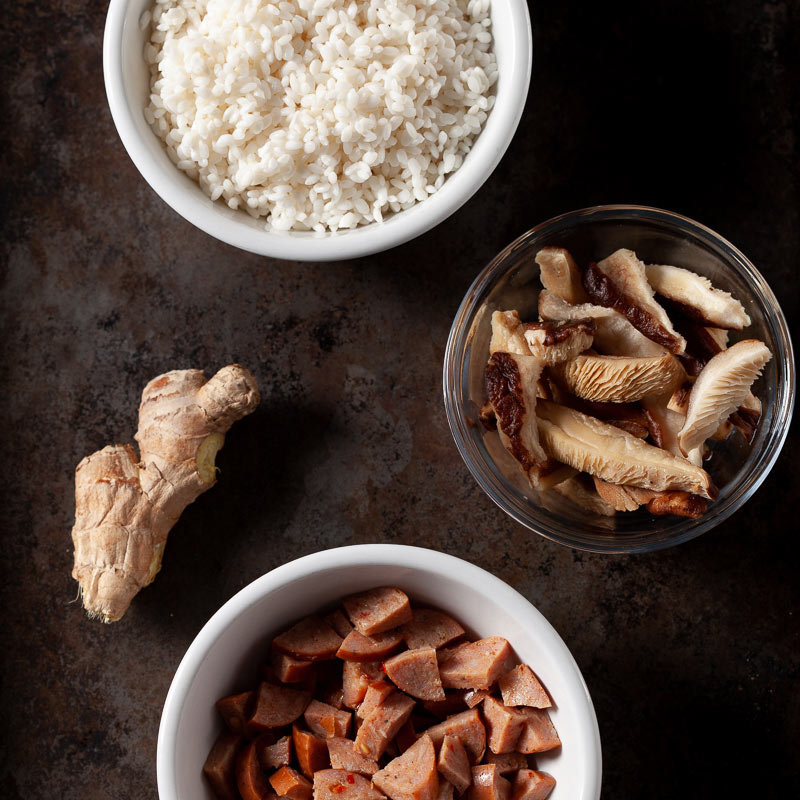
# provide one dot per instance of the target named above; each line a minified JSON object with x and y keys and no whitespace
{"x":692,"y":655}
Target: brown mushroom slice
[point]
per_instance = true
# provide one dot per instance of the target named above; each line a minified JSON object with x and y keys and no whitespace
{"x":679,"y":399}
{"x":589,"y":445}
{"x":617,"y":379}
{"x":745,"y":418}
{"x":622,"y":498}
{"x":619,"y":282}
{"x":580,"y":491}
{"x":629,"y":498}
{"x":695,"y":296}
{"x":720,"y":389}
{"x":557,"y":341}
{"x":613,"y":334}
{"x":560,"y":274}
{"x":508,"y":334}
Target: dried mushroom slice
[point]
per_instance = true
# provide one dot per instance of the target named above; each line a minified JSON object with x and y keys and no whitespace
{"x":592,"y":446}
{"x":629,"y":498}
{"x":720,"y":389}
{"x":557,"y":341}
{"x":622,"y":498}
{"x":617,"y":379}
{"x":579,"y":490}
{"x":613,"y":335}
{"x":508,"y":334}
{"x":665,"y":425}
{"x":745,"y":418}
{"x":619,"y":282}
{"x":695,"y":297}
{"x":560,"y":274}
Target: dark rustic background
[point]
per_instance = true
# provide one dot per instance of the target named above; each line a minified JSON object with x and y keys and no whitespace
{"x":691,"y":655}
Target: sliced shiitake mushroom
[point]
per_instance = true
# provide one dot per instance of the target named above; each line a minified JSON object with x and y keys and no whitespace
{"x":560,"y":274}
{"x":579,"y":490}
{"x":508,"y":334}
{"x":629,"y":498}
{"x":557,"y":341}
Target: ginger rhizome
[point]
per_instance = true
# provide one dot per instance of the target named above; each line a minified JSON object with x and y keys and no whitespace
{"x":125,"y":506}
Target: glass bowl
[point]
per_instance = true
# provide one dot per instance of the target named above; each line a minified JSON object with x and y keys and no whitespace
{"x":511,"y":281}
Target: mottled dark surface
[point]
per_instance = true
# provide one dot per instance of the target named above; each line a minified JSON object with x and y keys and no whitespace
{"x":691,"y":655}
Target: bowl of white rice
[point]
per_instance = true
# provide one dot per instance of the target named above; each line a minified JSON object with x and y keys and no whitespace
{"x":316,"y":130}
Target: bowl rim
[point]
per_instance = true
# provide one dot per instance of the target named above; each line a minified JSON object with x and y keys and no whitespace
{"x":454,"y":362}
{"x":198,"y":209}
{"x":365,"y":555}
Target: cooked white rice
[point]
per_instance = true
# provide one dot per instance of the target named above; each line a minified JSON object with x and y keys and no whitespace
{"x":319,"y":114}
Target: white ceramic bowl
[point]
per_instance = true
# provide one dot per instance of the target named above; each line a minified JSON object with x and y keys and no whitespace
{"x":225,"y":654}
{"x":127,"y":82}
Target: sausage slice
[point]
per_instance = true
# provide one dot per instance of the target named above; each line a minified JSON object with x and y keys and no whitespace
{"x":325,"y":720}
{"x":532,"y":785}
{"x":453,"y":763}
{"x":220,"y":766}
{"x":344,"y":755}
{"x":453,"y":703}
{"x":539,"y":733}
{"x":276,"y":706}
{"x":430,"y":628}
{"x":445,"y":790}
{"x":272,"y":754}
{"x":503,"y":725}
{"x":376,"y":694}
{"x":288,"y":782}
{"x":508,"y":762}
{"x":378,"y":610}
{"x":310,"y":750}
{"x":339,"y":622}
{"x":288,"y":669}
{"x":383,"y":724}
{"x":311,"y":639}
{"x":477,"y":665}
{"x":358,"y":647}
{"x":356,"y":677}
{"x":467,"y":726}
{"x":236,"y":709}
{"x":488,"y":784}
{"x":250,"y":778}
{"x":411,"y":776}
{"x":340,"y":784}
{"x":474,"y":697}
{"x":520,"y":687}
{"x":416,"y":672}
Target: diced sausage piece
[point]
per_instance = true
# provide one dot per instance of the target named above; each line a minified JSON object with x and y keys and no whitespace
{"x":250,"y":778}
{"x":383,"y":723}
{"x":311,"y":752}
{"x":416,"y":672}
{"x":377,"y":693}
{"x":520,"y":687}
{"x":325,"y":720}
{"x":488,"y":784}
{"x":445,"y":790}
{"x":539,"y":733}
{"x":339,"y":622}
{"x":288,"y":669}
{"x":532,"y":785}
{"x":406,"y":736}
{"x":311,"y":639}
{"x":454,"y":763}
{"x":507,"y":762}
{"x":340,"y":784}
{"x":443,"y":653}
{"x":343,"y":755}
{"x":411,"y":776}
{"x":276,"y":706}
{"x":478,"y":665}
{"x":430,"y":628}
{"x":357,"y":647}
{"x":220,"y":766}
{"x":288,"y":782}
{"x":467,"y":726}
{"x":236,"y":709}
{"x":474,"y":697}
{"x":356,"y":677}
{"x":272,"y":755}
{"x":453,"y":703}
{"x":503,"y":725}
{"x":378,"y":610}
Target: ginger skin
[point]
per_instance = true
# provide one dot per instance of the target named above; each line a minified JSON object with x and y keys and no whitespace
{"x":125,"y":507}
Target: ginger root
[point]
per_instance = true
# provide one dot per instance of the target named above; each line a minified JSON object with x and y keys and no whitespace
{"x":125,"y":507}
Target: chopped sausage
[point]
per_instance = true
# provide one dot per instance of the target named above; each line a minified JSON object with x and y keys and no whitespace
{"x":445,"y":790}
{"x":358,"y":647}
{"x":339,"y":622}
{"x":453,"y":763}
{"x":488,"y":784}
{"x":356,"y":677}
{"x":539,"y":733}
{"x":220,"y":766}
{"x":325,"y":720}
{"x":416,"y":672}
{"x":411,"y":776}
{"x":311,"y":639}
{"x":503,"y":725}
{"x":430,"y":628}
{"x":343,"y":755}
{"x":340,"y":784}
{"x":378,"y":610}
{"x":508,"y":762}
{"x":376,"y":694}
{"x":311,"y":751}
{"x":520,"y":687}
{"x":453,"y":703}
{"x":477,"y":665}
{"x":468,"y":727}
{"x":474,"y":697}
{"x":272,"y":754}
{"x":276,"y":706}
{"x":236,"y":709}
{"x":443,"y":653}
{"x":288,"y":782}
{"x":288,"y":669}
{"x":250,"y":778}
{"x":383,"y":723}
{"x":532,"y":785}
{"x":406,"y":736}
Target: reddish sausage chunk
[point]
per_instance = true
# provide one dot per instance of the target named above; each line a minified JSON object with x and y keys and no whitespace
{"x":416,"y":672}
{"x":429,"y":628}
{"x":376,"y":694}
{"x":357,"y":647}
{"x":411,"y":776}
{"x":288,"y":669}
{"x":453,"y":703}
{"x":474,"y":697}
{"x":276,"y":706}
{"x":520,"y":687}
{"x":454,"y":764}
{"x":343,"y":755}
{"x":539,"y":733}
{"x":311,"y":639}
{"x":356,"y":677}
{"x":288,"y":782}
{"x":503,"y":725}
{"x":250,"y":778}
{"x":445,"y":790}
{"x":220,"y":766}
{"x":468,"y":727}
{"x":271,"y":754}
{"x":488,"y":784}
{"x":311,"y":751}
{"x":532,"y":785}
{"x":236,"y":709}
{"x":340,"y":784}
{"x":378,"y":610}
{"x":507,"y":762}
{"x":325,"y":720}
{"x":383,"y":724}
{"x":477,"y":665}
{"x":339,"y":622}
